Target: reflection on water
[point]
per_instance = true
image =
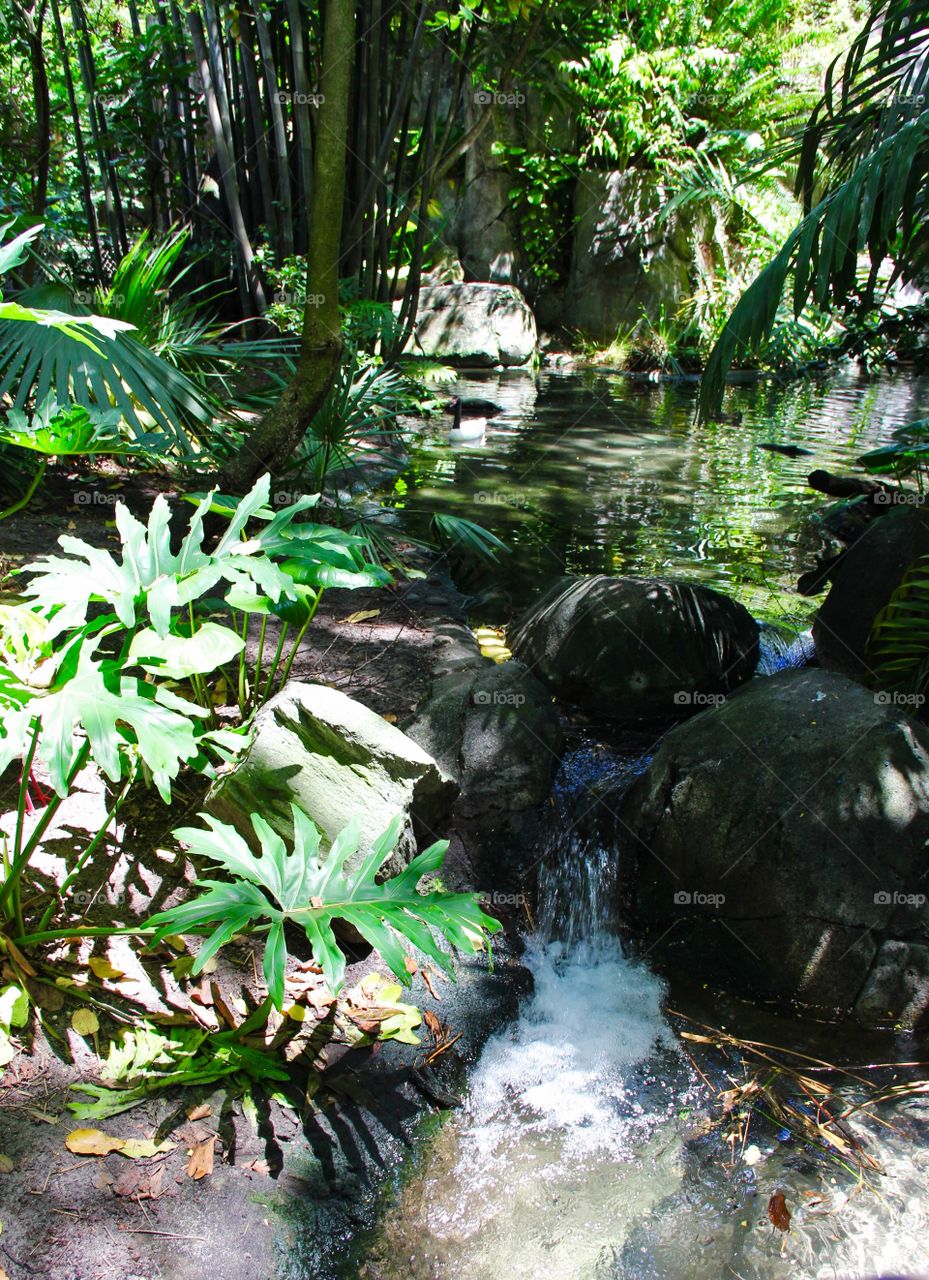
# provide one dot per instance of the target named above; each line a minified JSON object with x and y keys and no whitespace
{"x":593,"y":473}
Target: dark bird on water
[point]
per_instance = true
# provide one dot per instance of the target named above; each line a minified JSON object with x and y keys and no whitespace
{"x":472,"y":407}
{"x":788,"y":450}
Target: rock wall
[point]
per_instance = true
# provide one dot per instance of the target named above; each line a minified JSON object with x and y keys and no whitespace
{"x":628,"y":259}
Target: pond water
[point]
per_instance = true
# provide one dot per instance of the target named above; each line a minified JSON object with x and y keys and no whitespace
{"x":590,"y":1146}
{"x":594,"y":472}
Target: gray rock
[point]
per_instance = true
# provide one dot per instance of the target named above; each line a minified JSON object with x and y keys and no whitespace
{"x":628,"y":261}
{"x":776,"y":847}
{"x":474,"y":324}
{"x":633,"y":649}
{"x":862,"y":584}
{"x":897,"y":988}
{"x":318,"y":748}
{"x":495,"y":730}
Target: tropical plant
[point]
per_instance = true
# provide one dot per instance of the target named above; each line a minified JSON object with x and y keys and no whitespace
{"x":280,"y":887}
{"x":907,"y":456}
{"x":53,"y":431}
{"x":147,"y":1059}
{"x":898,"y":645}
{"x":862,"y":160}
{"x":91,"y":659}
{"x":356,"y":420}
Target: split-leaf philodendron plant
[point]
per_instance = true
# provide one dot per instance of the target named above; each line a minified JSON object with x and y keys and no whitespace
{"x":104,"y":662}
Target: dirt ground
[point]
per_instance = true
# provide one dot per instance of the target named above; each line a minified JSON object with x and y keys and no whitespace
{"x":243,"y":1177}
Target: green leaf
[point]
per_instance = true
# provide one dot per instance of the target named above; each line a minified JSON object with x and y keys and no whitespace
{"x":14,"y":1007}
{"x":113,"y":710}
{"x":279,"y":885}
{"x":177,"y":656}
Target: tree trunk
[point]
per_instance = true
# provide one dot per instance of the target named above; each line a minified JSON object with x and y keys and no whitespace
{"x":31,"y":22}
{"x":275,"y":438}
{"x":285,"y":242}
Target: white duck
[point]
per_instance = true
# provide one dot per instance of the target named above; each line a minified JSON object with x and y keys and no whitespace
{"x":465,"y":429}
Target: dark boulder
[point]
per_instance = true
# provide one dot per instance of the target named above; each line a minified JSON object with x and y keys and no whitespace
{"x":634,"y":649}
{"x":494,"y":730}
{"x":776,"y":847}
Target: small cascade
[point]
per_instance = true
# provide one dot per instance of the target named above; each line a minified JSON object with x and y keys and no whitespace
{"x":586,"y":1150}
{"x":571,"y":1128}
{"x":780,"y":650}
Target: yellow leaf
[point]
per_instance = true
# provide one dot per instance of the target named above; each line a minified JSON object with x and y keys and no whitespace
{"x":103,"y":969}
{"x":85,"y":1022}
{"x":93,"y":1142}
{"x":6,"y":1164}
{"x":362,"y":615}
{"x":142,"y":1148}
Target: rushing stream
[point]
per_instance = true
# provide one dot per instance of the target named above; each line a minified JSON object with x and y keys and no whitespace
{"x":590,"y":1148}
{"x":585,"y":1151}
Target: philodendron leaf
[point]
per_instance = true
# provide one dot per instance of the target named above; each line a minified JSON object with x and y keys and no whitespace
{"x":151,"y":578}
{"x":278,"y":885}
{"x":177,"y":657}
{"x":113,"y":710}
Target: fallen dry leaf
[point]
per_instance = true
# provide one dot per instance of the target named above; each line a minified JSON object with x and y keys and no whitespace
{"x":362,"y":615}
{"x":778,"y":1213}
{"x":199,"y":1112}
{"x":433,"y":1023}
{"x":427,"y":978}
{"x":103,"y":969}
{"x":85,"y":1022}
{"x":47,"y":1117}
{"x":6,"y":1164}
{"x":200,"y":1164}
{"x":94,"y":1142}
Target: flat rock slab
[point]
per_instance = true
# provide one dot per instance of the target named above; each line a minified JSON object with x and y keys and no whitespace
{"x":317,"y":748}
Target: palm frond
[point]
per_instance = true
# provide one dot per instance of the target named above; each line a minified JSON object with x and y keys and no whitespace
{"x":117,"y":371}
{"x":879,"y":210}
{"x":898,"y":646}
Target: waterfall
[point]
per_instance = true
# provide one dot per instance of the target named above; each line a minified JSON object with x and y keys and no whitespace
{"x":567,"y":1107}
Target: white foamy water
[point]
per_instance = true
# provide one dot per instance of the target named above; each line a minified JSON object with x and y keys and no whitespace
{"x":571,"y":1131}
